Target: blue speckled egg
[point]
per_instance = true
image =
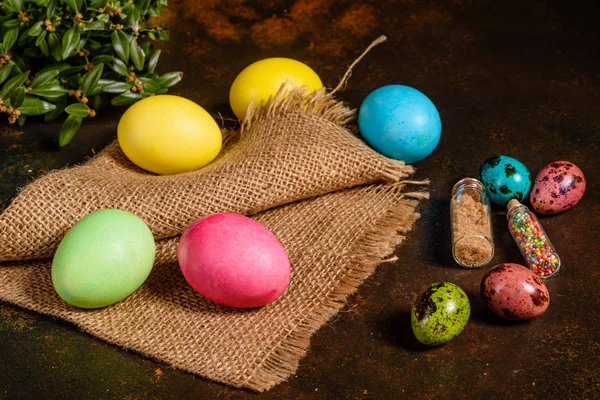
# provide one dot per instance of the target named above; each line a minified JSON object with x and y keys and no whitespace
{"x":505,"y":178}
{"x":400,"y":122}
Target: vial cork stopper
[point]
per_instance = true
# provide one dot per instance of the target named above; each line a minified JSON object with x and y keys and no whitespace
{"x":512,"y":203}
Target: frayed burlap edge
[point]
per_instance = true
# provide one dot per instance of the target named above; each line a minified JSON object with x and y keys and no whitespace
{"x":323,"y":104}
{"x":287,"y":100}
{"x":367,"y":254}
{"x":320,"y":103}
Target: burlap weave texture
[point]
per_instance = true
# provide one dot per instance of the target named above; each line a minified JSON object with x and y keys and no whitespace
{"x":337,"y":206}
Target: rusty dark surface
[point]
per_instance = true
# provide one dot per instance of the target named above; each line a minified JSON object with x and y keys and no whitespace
{"x":521,"y":78}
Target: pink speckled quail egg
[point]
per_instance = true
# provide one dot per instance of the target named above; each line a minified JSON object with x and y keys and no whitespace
{"x":558,"y":187}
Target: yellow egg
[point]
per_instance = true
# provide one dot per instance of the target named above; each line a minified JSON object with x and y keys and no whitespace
{"x":169,"y":135}
{"x":261,"y":80}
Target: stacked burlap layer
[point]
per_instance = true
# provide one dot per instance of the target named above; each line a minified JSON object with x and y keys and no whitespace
{"x":295,"y":168}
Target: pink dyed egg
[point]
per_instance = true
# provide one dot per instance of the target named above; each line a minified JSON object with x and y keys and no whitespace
{"x":234,"y":261}
{"x":558,"y":187}
{"x":514,"y":292}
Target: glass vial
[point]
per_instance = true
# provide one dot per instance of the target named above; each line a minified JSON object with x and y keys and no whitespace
{"x":472,"y":237}
{"x":532,"y":240}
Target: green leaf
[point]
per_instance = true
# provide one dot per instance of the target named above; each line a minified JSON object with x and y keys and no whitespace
{"x":9,"y":39}
{"x":41,"y":38}
{"x":17,"y":97}
{"x":103,"y":17}
{"x":52,"y":89}
{"x":126,"y":99}
{"x":19,"y":63}
{"x":70,"y":41}
{"x":94,"y":25}
{"x":119,"y":67}
{"x":98,"y":89}
{"x":117,"y":87}
{"x":81,"y":42}
{"x":163,"y":91}
{"x":137,"y":55}
{"x":103,"y":58}
{"x":90,"y":79}
{"x":169,"y":79}
{"x":71,"y":71}
{"x":9,"y":8}
{"x":54,"y":98}
{"x":55,"y":47}
{"x":36,"y":29}
{"x":12,"y":23}
{"x":153,"y":60}
{"x":44,"y":47}
{"x":12,"y":84}
{"x":51,"y":8}
{"x":44,"y":77}
{"x":69,"y":129}
{"x":143,"y":5}
{"x":146,"y":47}
{"x":58,"y":111}
{"x":150,"y":85}
{"x":120,"y":41}
{"x":16,"y":4}
{"x":96,"y":4}
{"x":5,"y":72}
{"x":163,"y":35}
{"x":60,"y":67}
{"x":151,"y":35}
{"x":93,"y":45}
{"x":133,"y":15}
{"x":22,"y":119}
{"x":16,"y":67}
{"x":34,"y":106}
{"x":106,"y":49}
{"x":72,"y":4}
{"x":105,"y":82}
{"x":78,"y":110}
{"x":154,"y":11}
{"x":41,"y":3}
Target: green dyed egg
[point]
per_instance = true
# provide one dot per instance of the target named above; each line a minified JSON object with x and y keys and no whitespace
{"x":103,"y":258}
{"x":440,"y":313}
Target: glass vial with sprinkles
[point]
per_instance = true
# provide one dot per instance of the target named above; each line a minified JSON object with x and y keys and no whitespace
{"x":472,"y":238}
{"x":532,"y":240}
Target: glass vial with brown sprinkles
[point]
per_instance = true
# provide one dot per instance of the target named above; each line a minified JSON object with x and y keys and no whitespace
{"x":532,"y":240}
{"x":472,"y":237}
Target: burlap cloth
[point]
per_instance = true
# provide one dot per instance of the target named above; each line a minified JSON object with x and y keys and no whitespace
{"x":337,"y":206}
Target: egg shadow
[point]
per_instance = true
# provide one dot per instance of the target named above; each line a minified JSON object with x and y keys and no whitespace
{"x":481,"y":314}
{"x":397,"y":329}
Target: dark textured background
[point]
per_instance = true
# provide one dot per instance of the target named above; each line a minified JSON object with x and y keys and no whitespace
{"x":520,"y":78}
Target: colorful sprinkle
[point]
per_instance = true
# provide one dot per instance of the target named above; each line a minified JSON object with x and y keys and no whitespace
{"x":533,"y":243}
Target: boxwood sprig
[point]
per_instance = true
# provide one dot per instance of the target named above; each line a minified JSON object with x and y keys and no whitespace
{"x":70,"y":57}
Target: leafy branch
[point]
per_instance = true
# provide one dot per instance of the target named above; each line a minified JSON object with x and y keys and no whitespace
{"x":71,"y":56}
